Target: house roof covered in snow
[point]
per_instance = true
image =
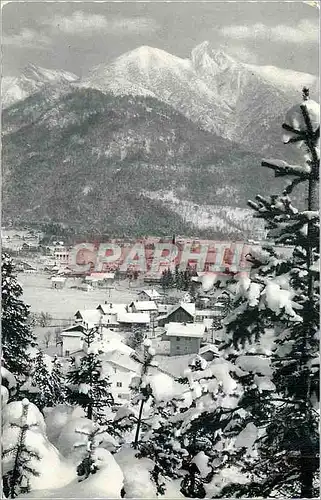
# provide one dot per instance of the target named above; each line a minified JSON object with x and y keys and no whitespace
{"x":189,"y":307}
{"x":151,"y":293}
{"x":196,"y":330}
{"x":102,"y":276}
{"x":59,"y":279}
{"x":133,"y":318}
{"x":112,"y":308}
{"x":113,"y":345}
{"x":205,"y":313}
{"x":121,"y":359}
{"x":144,"y":305}
{"x":209,"y":348}
{"x":108,"y":319}
{"x":73,"y":331}
{"x":90,"y":316}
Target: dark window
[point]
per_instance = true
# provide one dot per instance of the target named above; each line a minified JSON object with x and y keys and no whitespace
{"x":119,"y":384}
{"x":67,"y":353}
{"x":178,"y":338}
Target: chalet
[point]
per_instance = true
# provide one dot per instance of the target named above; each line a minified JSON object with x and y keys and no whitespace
{"x":181,"y":313}
{"x":121,"y":369}
{"x":153,"y":279}
{"x":145,"y":306}
{"x":109,"y":321}
{"x":88,"y":318}
{"x":128,"y":321}
{"x":184,"y":338}
{"x":151,"y":294}
{"x":109,"y":312}
{"x":203,"y":314}
{"x":164,"y":308}
{"x":209,"y":352}
{"x":110,"y":308}
{"x":58,"y":282}
{"x":22,"y":266}
{"x":71,"y":340}
{"x":218,"y":309}
{"x":100,"y":279}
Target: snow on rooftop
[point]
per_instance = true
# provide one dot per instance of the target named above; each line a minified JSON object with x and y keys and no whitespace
{"x":152,"y":293}
{"x":209,"y":347}
{"x":120,"y":359}
{"x":90,"y":316}
{"x":112,"y":308}
{"x":196,"y":330}
{"x":144,"y":305}
{"x":133,"y":318}
{"x":108,"y":319}
{"x":102,"y":275}
{"x":189,"y":307}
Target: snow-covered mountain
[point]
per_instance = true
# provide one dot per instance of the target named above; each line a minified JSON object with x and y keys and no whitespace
{"x":244,"y":103}
{"x":32,"y":79}
{"x":221,"y":94}
{"x":153,"y":72}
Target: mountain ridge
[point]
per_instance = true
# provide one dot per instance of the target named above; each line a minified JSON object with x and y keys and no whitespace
{"x":89,"y":160}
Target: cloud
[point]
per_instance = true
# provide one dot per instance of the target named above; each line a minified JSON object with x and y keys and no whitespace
{"x":305,"y":32}
{"x":241,"y":53}
{"x":27,"y":38}
{"x":81,"y":23}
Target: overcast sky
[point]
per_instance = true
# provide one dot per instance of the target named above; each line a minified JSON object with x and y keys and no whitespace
{"x":76,"y":36}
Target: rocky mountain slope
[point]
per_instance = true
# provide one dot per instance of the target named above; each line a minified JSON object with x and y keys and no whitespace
{"x":241,"y":102}
{"x":33,"y":79}
{"x":100,"y":153}
{"x":90,"y":159}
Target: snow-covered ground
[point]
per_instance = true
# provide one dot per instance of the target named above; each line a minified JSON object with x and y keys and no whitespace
{"x":63,"y":304}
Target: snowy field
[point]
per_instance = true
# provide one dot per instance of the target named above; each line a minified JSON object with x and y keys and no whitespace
{"x":63,"y":304}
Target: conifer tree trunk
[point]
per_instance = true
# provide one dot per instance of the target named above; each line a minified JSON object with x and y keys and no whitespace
{"x":307,"y":452}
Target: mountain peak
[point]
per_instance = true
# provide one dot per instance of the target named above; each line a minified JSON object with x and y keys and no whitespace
{"x":37,"y":73}
{"x":146,"y":56}
{"x":204,"y":57}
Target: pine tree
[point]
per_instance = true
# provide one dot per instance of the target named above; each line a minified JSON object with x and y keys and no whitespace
{"x":45,"y":387}
{"x":16,"y":480}
{"x":58,"y":382}
{"x":88,"y":387}
{"x":136,"y":338}
{"x":143,"y":389}
{"x":87,"y":465}
{"x":282,"y":293}
{"x":8,"y":386}
{"x":16,"y":333}
{"x":192,"y":484}
{"x":189,"y":424}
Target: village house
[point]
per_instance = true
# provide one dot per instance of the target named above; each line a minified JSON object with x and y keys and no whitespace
{"x":203,"y":314}
{"x":22,"y":266}
{"x":111,"y":310}
{"x":184,"y":338}
{"x":71,"y":340}
{"x":164,"y":308}
{"x":209,"y":352}
{"x":181,"y":313}
{"x":151,"y":294}
{"x":58,"y":282}
{"x":121,"y":369}
{"x":129,"y":321}
{"x":88,"y":318}
{"x":152,"y":279}
{"x":145,"y":306}
{"x":61,"y":254}
{"x":101,"y":280}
